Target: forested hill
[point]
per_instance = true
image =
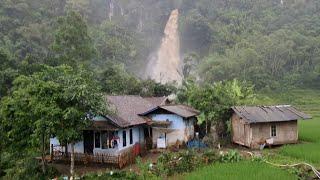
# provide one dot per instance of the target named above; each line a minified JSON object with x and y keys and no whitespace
{"x":270,"y":43}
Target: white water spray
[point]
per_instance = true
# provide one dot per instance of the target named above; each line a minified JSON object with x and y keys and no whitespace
{"x":165,"y":66}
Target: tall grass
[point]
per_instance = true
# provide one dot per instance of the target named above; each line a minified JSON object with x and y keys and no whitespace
{"x":306,"y":152}
{"x":309,"y":130}
{"x":245,"y":170}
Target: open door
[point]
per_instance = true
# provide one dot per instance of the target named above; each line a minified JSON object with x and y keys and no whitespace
{"x":88,"y":142}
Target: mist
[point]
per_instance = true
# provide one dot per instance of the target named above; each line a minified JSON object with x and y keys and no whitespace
{"x":265,"y":43}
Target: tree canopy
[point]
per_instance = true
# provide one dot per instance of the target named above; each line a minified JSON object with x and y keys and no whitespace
{"x":52,"y":102}
{"x":215,"y":100}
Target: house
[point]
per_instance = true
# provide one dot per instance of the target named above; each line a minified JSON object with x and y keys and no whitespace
{"x":171,"y":124}
{"x":253,"y":126}
{"x":136,"y":123}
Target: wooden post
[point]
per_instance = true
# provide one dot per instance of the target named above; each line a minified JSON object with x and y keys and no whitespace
{"x":72,"y":161}
{"x":51,"y":153}
{"x":119,"y":160}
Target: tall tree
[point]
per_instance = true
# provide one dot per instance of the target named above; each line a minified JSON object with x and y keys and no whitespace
{"x":215,"y":100}
{"x":80,"y":96}
{"x":72,"y":44}
{"x":8,"y":71}
{"x":54,"y":101}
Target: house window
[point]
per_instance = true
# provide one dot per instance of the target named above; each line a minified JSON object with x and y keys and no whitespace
{"x":130,"y":136}
{"x":124,"y":138}
{"x":97,"y":139}
{"x":273,"y":130}
{"x":109,"y":140}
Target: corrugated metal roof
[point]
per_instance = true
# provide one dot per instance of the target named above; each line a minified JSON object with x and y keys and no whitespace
{"x":258,"y":114}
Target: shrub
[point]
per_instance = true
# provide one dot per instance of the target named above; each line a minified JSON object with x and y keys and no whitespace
{"x":257,"y":158}
{"x":146,"y":171}
{"x":25,"y":168}
{"x":209,"y":156}
{"x":231,"y":156}
{"x":171,"y":163}
{"x":187,"y":161}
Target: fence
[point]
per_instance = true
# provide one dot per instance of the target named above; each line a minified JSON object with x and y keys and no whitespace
{"x":120,"y":160}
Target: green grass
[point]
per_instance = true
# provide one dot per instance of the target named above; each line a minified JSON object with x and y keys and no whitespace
{"x":245,"y":170}
{"x":310,"y":130}
{"x":307,"y":152}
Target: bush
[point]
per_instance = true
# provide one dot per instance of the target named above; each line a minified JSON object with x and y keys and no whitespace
{"x":145,"y":169}
{"x":230,"y":157}
{"x":183,"y":161}
{"x":209,"y":156}
{"x":27,"y":168}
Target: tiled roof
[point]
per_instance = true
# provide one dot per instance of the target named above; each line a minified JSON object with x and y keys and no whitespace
{"x":157,"y":100}
{"x":128,"y":108}
{"x":181,"y":110}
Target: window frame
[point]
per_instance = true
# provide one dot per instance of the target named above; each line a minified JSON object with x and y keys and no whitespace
{"x":273,"y":130}
{"x":124,"y":138}
{"x":131,"y":136}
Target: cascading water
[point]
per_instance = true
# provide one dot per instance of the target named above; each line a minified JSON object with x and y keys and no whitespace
{"x":165,"y":66}
{"x":111,"y":9}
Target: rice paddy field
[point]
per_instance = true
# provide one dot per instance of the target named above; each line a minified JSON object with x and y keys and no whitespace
{"x":243,"y":170}
{"x":307,"y":150}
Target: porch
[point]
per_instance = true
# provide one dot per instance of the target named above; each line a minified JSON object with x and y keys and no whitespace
{"x":120,"y":159}
{"x":102,"y":143}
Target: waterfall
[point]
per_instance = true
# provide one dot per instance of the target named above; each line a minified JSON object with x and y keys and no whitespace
{"x":111,"y":9}
{"x":165,"y":65}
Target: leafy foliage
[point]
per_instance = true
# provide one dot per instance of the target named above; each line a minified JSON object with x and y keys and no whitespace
{"x":116,"y":80}
{"x":214,"y":101}
{"x":8,"y":72}
{"x":231,"y":156}
{"x":50,"y":102}
{"x":72,"y":42}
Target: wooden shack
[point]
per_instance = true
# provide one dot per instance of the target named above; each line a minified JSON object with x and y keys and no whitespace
{"x":256,"y":126}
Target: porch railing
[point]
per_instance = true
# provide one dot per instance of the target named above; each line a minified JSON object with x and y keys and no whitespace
{"x":120,"y":160}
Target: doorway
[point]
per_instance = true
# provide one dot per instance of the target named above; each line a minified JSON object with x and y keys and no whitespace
{"x":88,"y":142}
{"x":148,"y":137}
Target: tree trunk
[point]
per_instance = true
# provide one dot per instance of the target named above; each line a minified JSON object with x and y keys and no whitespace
{"x":43,"y":161}
{"x":206,"y":126}
{"x":66,"y":150}
{"x":72,"y":161}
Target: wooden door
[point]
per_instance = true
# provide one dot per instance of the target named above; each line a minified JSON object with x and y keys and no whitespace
{"x":88,"y":142}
